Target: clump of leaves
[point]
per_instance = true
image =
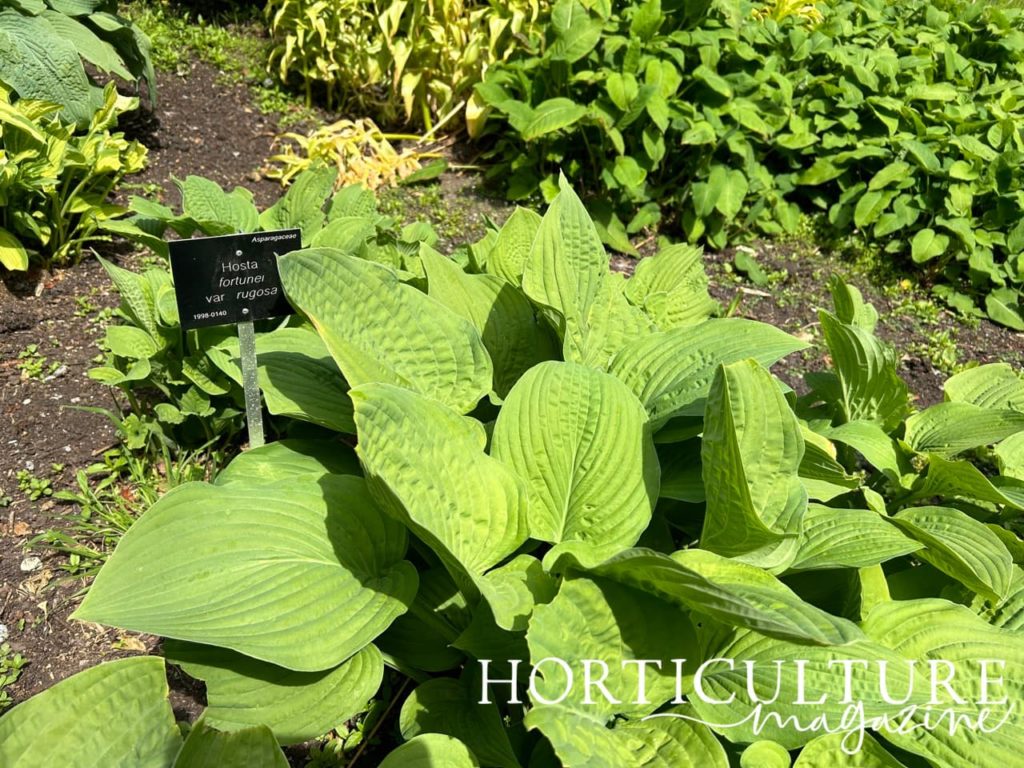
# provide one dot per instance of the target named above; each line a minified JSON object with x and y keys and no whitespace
{"x":414,"y":61}
{"x":362,"y":153}
{"x":55,"y":179}
{"x":899,"y":121}
{"x":554,"y":461}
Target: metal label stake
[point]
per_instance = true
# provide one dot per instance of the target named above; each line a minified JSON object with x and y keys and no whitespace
{"x":250,"y":382}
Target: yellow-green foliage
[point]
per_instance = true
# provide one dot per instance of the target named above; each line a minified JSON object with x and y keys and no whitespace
{"x":405,"y":60}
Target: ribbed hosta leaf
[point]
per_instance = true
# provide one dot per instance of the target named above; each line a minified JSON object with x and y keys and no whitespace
{"x":381,"y":330}
{"x":452,"y":707}
{"x":566,"y":266}
{"x":82,"y":721}
{"x":848,"y":538}
{"x":285,"y":459}
{"x":827,"y":752}
{"x":865,"y":367}
{"x":611,"y":323}
{"x":297,"y":376}
{"x":252,"y":747}
{"x":750,"y":455}
{"x":1010,"y":454}
{"x":727,"y":590}
{"x":995,"y":386}
{"x":251,"y":568}
{"x":428,"y":465}
{"x":579,"y":439}
{"x":961,"y":479}
{"x":672,"y":288}
{"x":961,"y":547}
{"x":822,"y":475}
{"x":431,"y":750}
{"x":952,"y":428}
{"x":508,"y":257}
{"x":242,"y":692}
{"x":1007,"y":613}
{"x":671,"y":372}
{"x":500,"y":312}
{"x":871,"y":442}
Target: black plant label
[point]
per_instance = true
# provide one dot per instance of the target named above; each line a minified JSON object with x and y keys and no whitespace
{"x":232,"y":278}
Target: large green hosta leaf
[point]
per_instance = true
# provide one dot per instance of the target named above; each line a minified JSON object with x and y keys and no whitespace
{"x":515,"y":239}
{"x":848,"y":538}
{"x":381,"y":330}
{"x":428,"y":465}
{"x":501,"y":314}
{"x":297,"y":375}
{"x":751,"y":455}
{"x":431,"y":750}
{"x":566,"y":267}
{"x":995,"y":386}
{"x":115,"y":715}
{"x":727,"y":590}
{"x":672,"y":287}
{"x":255,"y":569}
{"x":952,"y":428}
{"x":827,"y":752}
{"x":580,"y":440}
{"x":671,"y":372}
{"x":961,"y":547}
{"x":608,"y":624}
{"x":286,"y":459}
{"x":961,"y":479}
{"x":243,"y":693}
{"x":252,"y":747}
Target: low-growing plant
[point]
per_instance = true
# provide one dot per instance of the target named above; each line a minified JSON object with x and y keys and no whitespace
{"x":45,"y":44}
{"x":562,"y":470}
{"x":416,"y":61}
{"x":55,"y":180}
{"x":895,"y":120}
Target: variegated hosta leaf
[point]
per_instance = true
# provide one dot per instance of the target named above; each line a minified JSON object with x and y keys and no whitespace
{"x":727,"y":590}
{"x":961,"y":547}
{"x":381,"y":330}
{"x":285,"y":459}
{"x":751,"y":455}
{"x":579,"y":439}
{"x":82,"y":721}
{"x":565,"y":268}
{"x":501,"y":314}
{"x":251,"y":568}
{"x":252,"y":747}
{"x":431,"y":750}
{"x":672,"y":287}
{"x":671,"y":372}
{"x":952,"y":428}
{"x":453,"y":707}
{"x":427,"y":464}
{"x":827,"y":752}
{"x":869,"y":387}
{"x":507,"y":259}
{"x":848,"y":538}
{"x":995,"y":386}
{"x":242,"y":692}
{"x":297,"y":376}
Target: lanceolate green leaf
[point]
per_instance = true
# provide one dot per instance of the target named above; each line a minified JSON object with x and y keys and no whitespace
{"x":952,"y":428}
{"x":82,"y":721}
{"x":726,"y":590}
{"x":751,"y":454}
{"x":380,"y":330}
{"x":580,"y":439}
{"x":566,"y":266}
{"x":297,"y":706}
{"x":848,"y":538}
{"x":552,"y":115}
{"x":960,"y":547}
{"x":201,"y":566}
{"x":961,"y":479}
{"x":671,"y":372}
{"x":508,"y":257}
{"x":500,"y":312}
{"x":427,"y":464}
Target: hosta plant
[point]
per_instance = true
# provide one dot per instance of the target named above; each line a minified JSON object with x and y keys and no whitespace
{"x":557,"y":470}
{"x":897,"y":121}
{"x":56,"y":179}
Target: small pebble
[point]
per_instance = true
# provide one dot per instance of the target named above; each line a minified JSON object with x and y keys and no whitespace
{"x":31,"y":563}
{"x":4,"y":633}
